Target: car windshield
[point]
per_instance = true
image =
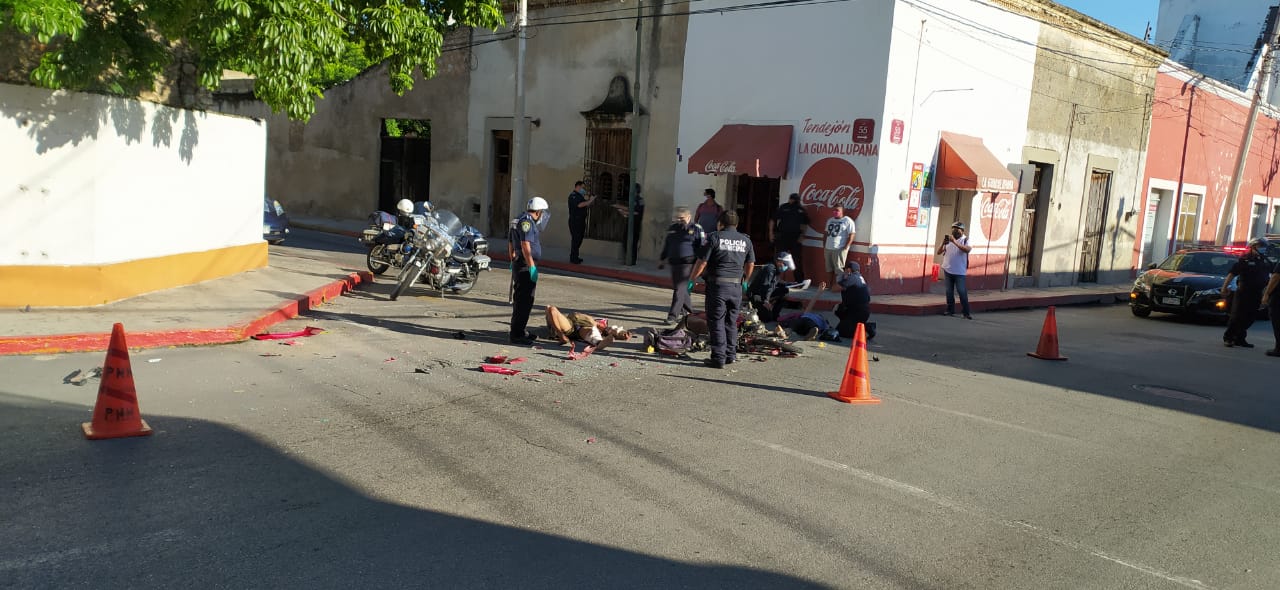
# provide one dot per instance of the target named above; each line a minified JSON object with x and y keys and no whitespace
{"x":1206,"y":263}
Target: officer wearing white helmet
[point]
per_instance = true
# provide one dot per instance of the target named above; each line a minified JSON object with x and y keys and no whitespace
{"x":525,"y":249}
{"x":404,"y":213}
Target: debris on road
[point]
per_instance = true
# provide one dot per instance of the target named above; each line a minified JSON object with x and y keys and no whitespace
{"x":591,"y":440}
{"x":291,"y":343}
{"x":79,"y":377}
{"x":552,"y":372}
{"x":389,"y":359}
{"x":496,"y":359}
{"x":270,"y":354}
{"x":308,"y":331}
{"x":154,"y":360}
{"x":499,"y":370}
{"x":422,"y":370}
{"x":517,"y":360}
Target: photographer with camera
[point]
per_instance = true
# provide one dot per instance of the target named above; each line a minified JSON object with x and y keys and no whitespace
{"x":955,"y":265}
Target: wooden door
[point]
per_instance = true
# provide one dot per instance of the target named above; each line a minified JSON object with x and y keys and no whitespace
{"x":500,"y":198}
{"x":1094,"y":224}
{"x":755,"y":200}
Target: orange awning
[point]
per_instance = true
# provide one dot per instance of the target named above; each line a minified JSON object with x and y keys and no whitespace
{"x":965,"y":164}
{"x":754,"y":150}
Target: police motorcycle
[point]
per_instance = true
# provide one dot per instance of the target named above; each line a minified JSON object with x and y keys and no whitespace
{"x":443,"y":253}
{"x":387,"y":236}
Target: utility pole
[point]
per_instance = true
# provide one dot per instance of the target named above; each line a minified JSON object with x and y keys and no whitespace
{"x":1264,"y":78}
{"x":519,"y":132}
{"x":628,"y":249}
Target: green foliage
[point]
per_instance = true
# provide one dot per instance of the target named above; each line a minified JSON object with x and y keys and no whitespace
{"x":294,"y":48}
{"x":409,"y":127}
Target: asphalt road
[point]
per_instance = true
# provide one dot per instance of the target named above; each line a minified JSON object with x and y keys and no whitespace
{"x":378,"y":455}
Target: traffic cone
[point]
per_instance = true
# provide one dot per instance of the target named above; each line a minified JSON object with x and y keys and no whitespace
{"x":855,"y":388}
{"x":1048,"y":348}
{"x":116,"y":414}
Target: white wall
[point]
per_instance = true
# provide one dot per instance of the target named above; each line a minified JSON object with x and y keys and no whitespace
{"x":90,"y":179}
{"x":825,"y":63}
{"x":968,"y":81}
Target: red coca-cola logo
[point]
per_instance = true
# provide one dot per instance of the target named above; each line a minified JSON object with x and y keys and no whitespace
{"x":996,"y":212}
{"x":828,"y":183}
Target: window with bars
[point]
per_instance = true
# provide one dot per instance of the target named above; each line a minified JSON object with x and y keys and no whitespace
{"x":607,"y":174}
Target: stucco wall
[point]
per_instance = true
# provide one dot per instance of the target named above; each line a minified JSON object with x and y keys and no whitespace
{"x":962,"y":77}
{"x":1089,"y":110}
{"x":1197,"y":126}
{"x":92,"y":180}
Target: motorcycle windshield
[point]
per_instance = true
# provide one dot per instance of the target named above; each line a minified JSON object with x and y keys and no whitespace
{"x":450,"y":222}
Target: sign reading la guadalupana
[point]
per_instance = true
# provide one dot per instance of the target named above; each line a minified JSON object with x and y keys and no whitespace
{"x":840,"y":138}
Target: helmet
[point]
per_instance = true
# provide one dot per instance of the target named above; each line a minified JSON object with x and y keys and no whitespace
{"x":788,"y":263}
{"x":405,"y":206}
{"x":537,"y":204}
{"x":1259,"y":243}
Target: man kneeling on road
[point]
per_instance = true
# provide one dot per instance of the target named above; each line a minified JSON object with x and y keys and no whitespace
{"x":578,"y":326}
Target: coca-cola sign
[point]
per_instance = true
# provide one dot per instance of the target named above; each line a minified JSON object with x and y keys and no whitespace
{"x":996,"y":213}
{"x":828,"y":183}
{"x":721,"y":167}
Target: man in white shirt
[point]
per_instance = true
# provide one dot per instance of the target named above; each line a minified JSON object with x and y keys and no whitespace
{"x":955,"y":265}
{"x":840,"y":233}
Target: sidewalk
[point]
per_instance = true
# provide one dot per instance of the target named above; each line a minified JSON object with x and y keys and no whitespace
{"x":229,"y":309}
{"x":646,"y":272}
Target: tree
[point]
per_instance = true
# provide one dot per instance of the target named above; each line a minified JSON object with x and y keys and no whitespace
{"x":294,"y":48}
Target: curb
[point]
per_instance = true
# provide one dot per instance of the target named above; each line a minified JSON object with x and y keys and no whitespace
{"x":66,"y":343}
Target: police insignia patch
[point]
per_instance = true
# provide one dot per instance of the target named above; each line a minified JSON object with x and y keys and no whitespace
{"x":525,"y":226}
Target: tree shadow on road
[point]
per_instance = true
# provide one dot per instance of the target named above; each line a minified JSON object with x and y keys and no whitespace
{"x":199,"y":503}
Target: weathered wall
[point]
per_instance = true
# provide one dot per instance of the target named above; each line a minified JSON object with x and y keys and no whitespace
{"x":93,"y":184}
{"x":1197,"y":126}
{"x":1089,"y":111}
{"x":329,"y":166}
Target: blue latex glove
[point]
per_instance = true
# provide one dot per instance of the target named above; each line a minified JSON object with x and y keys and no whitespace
{"x":744,"y":287}
{"x":690,"y":286}
{"x":533,"y":274}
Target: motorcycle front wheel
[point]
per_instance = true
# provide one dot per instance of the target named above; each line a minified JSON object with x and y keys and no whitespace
{"x":408,"y":277}
{"x":373,"y":260}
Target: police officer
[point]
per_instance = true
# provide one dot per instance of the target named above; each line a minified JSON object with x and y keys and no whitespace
{"x":728,"y":258}
{"x":765,"y":292}
{"x":680,"y":249}
{"x":1271,"y":299}
{"x":1253,"y":270}
{"x":525,"y":250}
{"x":787,"y":228}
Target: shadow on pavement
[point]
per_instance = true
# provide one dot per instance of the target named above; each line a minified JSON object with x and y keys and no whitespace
{"x":201,"y":504}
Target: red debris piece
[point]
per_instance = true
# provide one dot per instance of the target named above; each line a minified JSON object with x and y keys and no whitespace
{"x":290,"y":343}
{"x":553,"y":372}
{"x":613,"y":364}
{"x":389,"y":360}
{"x":309,"y":331}
{"x":591,"y":440}
{"x":517,"y":360}
{"x":499,"y":370}
{"x":496,"y":359}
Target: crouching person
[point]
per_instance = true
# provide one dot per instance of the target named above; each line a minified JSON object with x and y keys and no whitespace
{"x":766,"y":292}
{"x":580,"y":327}
{"x":855,"y":302}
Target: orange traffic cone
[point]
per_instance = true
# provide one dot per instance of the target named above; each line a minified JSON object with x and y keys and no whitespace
{"x":855,"y":388}
{"x":116,"y":414}
{"x":1048,"y":348}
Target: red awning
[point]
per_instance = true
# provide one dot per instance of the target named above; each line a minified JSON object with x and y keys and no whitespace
{"x":754,"y":150}
{"x":965,"y":164}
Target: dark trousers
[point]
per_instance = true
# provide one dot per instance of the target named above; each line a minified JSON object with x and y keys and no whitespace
{"x":681,"y":302}
{"x":722,"y":303}
{"x":635,"y":242}
{"x":577,"y":229}
{"x":1274,"y":310}
{"x":850,"y":317}
{"x":522,"y":302}
{"x":1244,"y":309}
{"x":955,"y":284}
{"x":791,"y":243}
{"x":770,"y":308}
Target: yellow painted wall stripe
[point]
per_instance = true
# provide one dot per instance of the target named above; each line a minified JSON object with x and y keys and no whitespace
{"x":69,"y":286}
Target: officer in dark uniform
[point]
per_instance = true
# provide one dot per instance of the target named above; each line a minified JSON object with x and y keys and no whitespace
{"x":787,"y":228}
{"x":765,"y":291}
{"x":1253,"y":270}
{"x":1271,"y":299}
{"x":680,"y":249}
{"x":728,"y":259}
{"x":525,"y":250}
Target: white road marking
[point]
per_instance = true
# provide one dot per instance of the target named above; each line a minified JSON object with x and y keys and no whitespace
{"x":991,"y":421}
{"x":55,"y":557}
{"x":943,"y":501}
